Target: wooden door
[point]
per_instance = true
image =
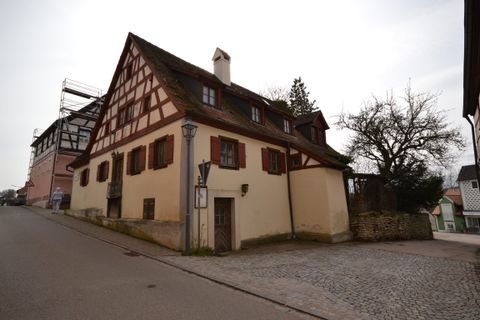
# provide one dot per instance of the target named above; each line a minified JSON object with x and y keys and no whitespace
{"x":223,"y":224}
{"x":115,"y":201}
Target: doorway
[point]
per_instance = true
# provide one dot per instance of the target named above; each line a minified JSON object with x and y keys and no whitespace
{"x":114,"y":209}
{"x":223,"y":224}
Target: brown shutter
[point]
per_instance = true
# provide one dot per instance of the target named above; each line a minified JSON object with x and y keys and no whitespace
{"x":107,"y":169}
{"x":264,"y":159}
{"x":281,"y":162}
{"x":151,"y":155}
{"x":87,"y":176}
{"x":169,"y":149}
{"x":143,"y":157}
{"x":242,"y":161}
{"x":99,"y":168}
{"x":215,"y":150}
{"x":129,"y":163}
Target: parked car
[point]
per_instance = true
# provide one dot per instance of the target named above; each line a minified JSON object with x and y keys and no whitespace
{"x":20,"y":200}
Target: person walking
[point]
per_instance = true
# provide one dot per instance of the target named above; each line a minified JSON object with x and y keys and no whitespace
{"x":57,"y":197}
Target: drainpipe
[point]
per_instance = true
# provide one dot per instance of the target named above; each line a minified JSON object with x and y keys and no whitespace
{"x":292,"y":225}
{"x":472,"y":127}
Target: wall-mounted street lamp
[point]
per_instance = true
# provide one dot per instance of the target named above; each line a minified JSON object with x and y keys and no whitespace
{"x":189,"y":129}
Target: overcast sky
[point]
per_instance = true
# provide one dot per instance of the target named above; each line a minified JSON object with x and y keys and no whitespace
{"x":344,"y":50}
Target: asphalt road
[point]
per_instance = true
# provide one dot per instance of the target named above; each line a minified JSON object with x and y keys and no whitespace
{"x":51,"y":272}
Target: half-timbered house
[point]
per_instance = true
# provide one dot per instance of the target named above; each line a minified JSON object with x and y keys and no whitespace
{"x":64,"y":140}
{"x":271,"y":175}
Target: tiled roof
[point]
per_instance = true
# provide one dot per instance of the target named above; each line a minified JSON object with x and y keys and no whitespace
{"x":167,"y":65}
{"x":436,"y":211}
{"x":467,"y":173}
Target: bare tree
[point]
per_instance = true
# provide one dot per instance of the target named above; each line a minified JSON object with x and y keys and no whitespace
{"x":276,"y":93}
{"x":396,"y":134}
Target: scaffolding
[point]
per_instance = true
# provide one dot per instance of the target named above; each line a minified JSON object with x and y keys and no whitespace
{"x":78,"y":102}
{"x":36,"y":133}
{"x":80,"y":106}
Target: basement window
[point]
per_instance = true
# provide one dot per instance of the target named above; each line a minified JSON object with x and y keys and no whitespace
{"x":149,"y":208}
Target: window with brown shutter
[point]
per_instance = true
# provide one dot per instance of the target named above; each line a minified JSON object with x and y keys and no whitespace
{"x":102,"y":171}
{"x":84,"y":175}
{"x":273,"y":161}
{"x":136,"y":160}
{"x":227,"y":153}
{"x":160,"y":152}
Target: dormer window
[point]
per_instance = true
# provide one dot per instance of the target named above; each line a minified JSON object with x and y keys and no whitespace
{"x":318,"y":136}
{"x":286,"y":126}
{"x":256,"y":114}
{"x":209,"y":96}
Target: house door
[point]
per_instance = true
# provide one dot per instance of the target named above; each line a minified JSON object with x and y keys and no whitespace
{"x":115,"y":188}
{"x":223,"y":224}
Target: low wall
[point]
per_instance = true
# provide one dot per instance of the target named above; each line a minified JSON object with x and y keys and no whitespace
{"x":381,"y":226}
{"x":165,"y":233}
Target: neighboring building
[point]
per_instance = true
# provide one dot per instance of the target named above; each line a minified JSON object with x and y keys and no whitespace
{"x":448,"y":213}
{"x":471,"y":72}
{"x":269,"y":175}
{"x":470,"y":197}
{"x":50,"y":155}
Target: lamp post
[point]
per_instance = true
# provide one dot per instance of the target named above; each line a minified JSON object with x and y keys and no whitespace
{"x":189,"y":129}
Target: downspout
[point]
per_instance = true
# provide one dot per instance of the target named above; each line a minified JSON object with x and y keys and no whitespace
{"x":472,"y":127}
{"x":292,"y":225}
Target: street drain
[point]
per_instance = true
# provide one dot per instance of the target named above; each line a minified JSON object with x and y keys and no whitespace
{"x":150,"y":286}
{"x":131,"y":254}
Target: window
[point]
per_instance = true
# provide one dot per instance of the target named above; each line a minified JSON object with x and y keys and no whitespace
{"x":160,"y":152}
{"x":107,"y":128}
{"x":295,"y":160}
{"x":84,"y":175}
{"x":474,"y":184}
{"x":256,"y":115}
{"x":227,"y":153}
{"x":136,"y":160}
{"x":147,"y":103}
{"x":121,"y":117}
{"x":149,"y":209}
{"x":129,"y":71}
{"x":129,"y":115}
{"x":314,"y":135}
{"x":102,"y":171}
{"x":126,"y":114}
{"x":273,"y":161}
{"x":286,"y":126}
{"x":273,"y":165}
{"x":209,"y":96}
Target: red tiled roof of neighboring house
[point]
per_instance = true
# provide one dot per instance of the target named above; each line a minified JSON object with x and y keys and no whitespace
{"x":454,"y":195}
{"x":436,"y":211}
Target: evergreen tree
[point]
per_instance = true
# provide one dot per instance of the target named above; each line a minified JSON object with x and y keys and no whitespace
{"x":299,"y":102}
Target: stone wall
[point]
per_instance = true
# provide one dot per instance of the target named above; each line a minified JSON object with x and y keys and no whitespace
{"x":165,"y":233}
{"x":381,"y":226}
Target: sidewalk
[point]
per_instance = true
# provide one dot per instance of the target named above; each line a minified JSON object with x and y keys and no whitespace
{"x":391,"y":280}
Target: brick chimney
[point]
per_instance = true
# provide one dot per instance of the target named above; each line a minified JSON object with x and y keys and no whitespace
{"x":221,"y":66}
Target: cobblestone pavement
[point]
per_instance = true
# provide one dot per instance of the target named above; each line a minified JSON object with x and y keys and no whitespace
{"x":342,"y":281}
{"x":353,"y":281}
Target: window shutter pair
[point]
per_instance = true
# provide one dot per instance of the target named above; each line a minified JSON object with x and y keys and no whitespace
{"x":142,"y":160}
{"x":84,"y":177}
{"x":282,"y":168}
{"x":215,"y":145}
{"x":102,"y":176}
{"x":168,"y":152}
